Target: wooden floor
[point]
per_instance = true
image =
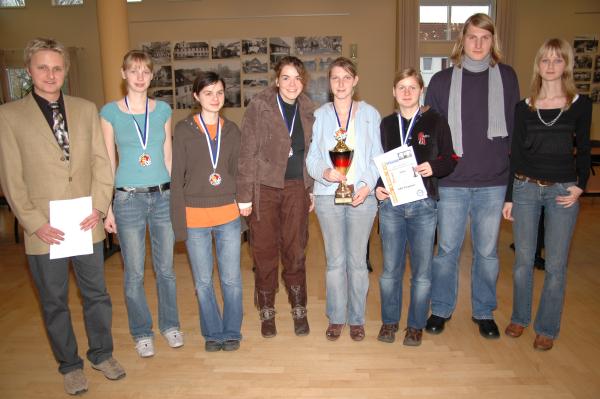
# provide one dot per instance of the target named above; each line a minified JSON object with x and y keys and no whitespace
{"x":457,"y":364}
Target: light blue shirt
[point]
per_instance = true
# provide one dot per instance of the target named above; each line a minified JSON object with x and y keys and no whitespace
{"x":367,"y":143}
{"x":130,"y":173}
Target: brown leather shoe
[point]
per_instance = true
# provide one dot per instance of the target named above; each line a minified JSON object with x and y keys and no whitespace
{"x":334,"y":331}
{"x":413,"y":337}
{"x":297,"y":297}
{"x":387,"y":333}
{"x":266,"y":305}
{"x":357,"y":333}
{"x":542,"y":343}
{"x":514,"y":330}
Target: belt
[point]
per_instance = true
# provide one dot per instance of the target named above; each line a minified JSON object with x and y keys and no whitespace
{"x":151,"y":189}
{"x":539,"y":182}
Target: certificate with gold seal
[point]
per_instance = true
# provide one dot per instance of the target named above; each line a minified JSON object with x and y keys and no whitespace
{"x":397,"y":170}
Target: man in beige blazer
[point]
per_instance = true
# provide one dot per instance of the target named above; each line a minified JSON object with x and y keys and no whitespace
{"x":38,"y":165}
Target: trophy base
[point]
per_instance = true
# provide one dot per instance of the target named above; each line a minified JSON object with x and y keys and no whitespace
{"x":344,"y":194}
{"x":343,"y":201}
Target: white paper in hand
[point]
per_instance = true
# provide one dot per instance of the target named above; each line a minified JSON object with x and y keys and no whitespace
{"x":397,"y":170}
{"x":66,"y":215}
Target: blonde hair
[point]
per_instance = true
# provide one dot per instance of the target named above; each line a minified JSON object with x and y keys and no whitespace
{"x":409,"y":73}
{"x":345,"y":63}
{"x":41,"y":43}
{"x":562,"y":49}
{"x":134,"y":56}
{"x":482,"y":21}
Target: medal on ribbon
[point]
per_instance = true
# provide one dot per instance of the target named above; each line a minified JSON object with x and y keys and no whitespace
{"x":214,"y":178}
{"x":405,"y":138}
{"x":144,"y":159}
{"x":290,"y":126}
{"x":341,"y":133}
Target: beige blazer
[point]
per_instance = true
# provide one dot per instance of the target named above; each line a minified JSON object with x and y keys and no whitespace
{"x":33,"y":170}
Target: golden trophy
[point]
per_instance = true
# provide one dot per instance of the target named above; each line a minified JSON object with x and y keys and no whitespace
{"x":341,"y":157}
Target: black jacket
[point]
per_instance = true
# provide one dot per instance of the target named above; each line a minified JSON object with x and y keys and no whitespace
{"x":431,"y":141}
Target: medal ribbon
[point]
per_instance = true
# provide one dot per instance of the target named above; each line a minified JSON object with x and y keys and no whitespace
{"x":143,"y":136}
{"x":405,"y":138}
{"x":289,"y":126}
{"x":338,"y":118}
{"x":214,"y":155}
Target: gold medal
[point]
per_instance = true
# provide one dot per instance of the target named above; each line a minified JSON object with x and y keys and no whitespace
{"x":340,"y":134}
{"x":145,"y":160}
{"x":214,"y":179}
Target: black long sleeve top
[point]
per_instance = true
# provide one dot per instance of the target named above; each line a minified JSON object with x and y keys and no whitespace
{"x":559,"y":153}
{"x":431,"y":141}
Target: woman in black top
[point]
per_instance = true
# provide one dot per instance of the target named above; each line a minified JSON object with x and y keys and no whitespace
{"x":424,"y":131}
{"x":546,"y":173}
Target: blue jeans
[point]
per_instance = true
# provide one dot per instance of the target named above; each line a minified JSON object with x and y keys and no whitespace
{"x":199,"y":246}
{"x":133,"y":211}
{"x":413,"y":223}
{"x":346,"y":233}
{"x":483,"y":206}
{"x":559,"y":222}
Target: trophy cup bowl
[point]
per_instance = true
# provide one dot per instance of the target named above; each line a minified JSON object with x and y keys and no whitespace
{"x":341,"y":157}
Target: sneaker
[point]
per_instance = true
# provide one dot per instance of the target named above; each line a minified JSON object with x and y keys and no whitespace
{"x":145,"y":347}
{"x":75,"y":382}
{"x":174,"y":338}
{"x":231,"y":345}
{"x":413,"y":337}
{"x":213,"y":346}
{"x":110,"y":368}
{"x":387,"y":333}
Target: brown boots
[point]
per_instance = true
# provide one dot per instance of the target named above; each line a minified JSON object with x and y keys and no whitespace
{"x":297,"y":297}
{"x":265,"y":300}
{"x":266,"y":309}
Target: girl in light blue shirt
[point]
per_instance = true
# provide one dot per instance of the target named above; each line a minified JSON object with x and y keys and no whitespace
{"x":346,"y":228}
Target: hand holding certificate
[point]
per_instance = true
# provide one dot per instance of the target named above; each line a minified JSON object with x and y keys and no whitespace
{"x":397,"y":170}
{"x":66,"y":215}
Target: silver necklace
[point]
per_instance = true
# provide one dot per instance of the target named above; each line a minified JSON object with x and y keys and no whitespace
{"x":553,"y":121}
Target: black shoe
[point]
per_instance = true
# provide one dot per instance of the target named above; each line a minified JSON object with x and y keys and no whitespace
{"x":487,"y":328}
{"x":435,"y":324}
